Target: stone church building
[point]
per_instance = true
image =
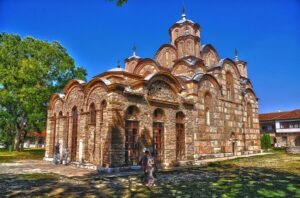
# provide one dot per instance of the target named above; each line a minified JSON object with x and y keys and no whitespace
{"x":183,"y":105}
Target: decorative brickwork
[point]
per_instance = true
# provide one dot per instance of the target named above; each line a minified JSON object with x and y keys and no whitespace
{"x":184,"y":105}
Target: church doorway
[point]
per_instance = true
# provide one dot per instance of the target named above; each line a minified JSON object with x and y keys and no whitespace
{"x":74,"y":133}
{"x":158,"y":134}
{"x":180,"y":136}
{"x":131,"y":136}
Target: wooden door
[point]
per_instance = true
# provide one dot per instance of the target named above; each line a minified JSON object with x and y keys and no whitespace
{"x":131,"y":143}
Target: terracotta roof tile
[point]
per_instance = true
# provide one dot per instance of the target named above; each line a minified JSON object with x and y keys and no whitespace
{"x":37,"y":134}
{"x":295,"y":114}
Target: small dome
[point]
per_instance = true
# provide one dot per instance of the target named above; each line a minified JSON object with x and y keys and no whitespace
{"x":184,"y":20}
{"x":117,"y":69}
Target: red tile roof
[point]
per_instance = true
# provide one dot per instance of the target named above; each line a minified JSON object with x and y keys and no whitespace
{"x":37,"y":134}
{"x":295,"y":114}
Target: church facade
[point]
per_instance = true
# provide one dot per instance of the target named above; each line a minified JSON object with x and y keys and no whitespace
{"x":183,"y":105}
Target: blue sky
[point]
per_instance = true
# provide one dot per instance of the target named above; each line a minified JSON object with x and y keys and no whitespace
{"x":97,"y":34}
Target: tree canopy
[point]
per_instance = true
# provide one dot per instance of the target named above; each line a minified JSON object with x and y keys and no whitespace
{"x":119,"y":2}
{"x":31,"y":70}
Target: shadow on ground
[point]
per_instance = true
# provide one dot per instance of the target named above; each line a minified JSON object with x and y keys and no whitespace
{"x":216,"y":180}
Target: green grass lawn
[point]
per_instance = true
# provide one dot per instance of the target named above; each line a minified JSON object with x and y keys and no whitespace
{"x":274,"y":175}
{"x":35,"y":154}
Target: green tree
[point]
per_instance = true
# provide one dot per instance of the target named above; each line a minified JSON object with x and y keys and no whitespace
{"x":31,"y":70}
{"x":265,"y":141}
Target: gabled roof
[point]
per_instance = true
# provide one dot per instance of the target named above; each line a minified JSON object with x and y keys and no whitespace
{"x":287,"y":115}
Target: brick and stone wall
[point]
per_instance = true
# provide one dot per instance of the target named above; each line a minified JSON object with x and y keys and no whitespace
{"x":218,"y":104}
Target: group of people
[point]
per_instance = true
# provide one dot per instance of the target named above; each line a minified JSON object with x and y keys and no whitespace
{"x":58,"y":158}
{"x":149,"y":168}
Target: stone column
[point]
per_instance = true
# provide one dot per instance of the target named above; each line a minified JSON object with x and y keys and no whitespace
{"x":48,"y":145}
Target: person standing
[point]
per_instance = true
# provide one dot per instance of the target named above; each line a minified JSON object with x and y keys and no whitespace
{"x":143,"y":163}
{"x":56,"y":158}
{"x":66,"y":156}
{"x":150,"y":168}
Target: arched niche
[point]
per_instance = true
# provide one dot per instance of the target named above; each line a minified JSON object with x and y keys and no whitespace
{"x":209,"y":55}
{"x":74,"y":97}
{"x":209,"y":83}
{"x":182,"y":69}
{"x":146,"y":67}
{"x":161,"y":91}
{"x":229,"y":65}
{"x":95,"y":94}
{"x":166,"y":55}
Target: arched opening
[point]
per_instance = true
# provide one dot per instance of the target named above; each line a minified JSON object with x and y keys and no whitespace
{"x":158,"y":132}
{"x":180,"y":136}
{"x":74,"y":133}
{"x":208,"y":109}
{"x":249,"y":116}
{"x":229,"y":86}
{"x":297,"y":141}
{"x":131,"y":136}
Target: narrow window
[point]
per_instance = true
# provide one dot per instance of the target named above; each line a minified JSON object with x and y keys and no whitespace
{"x":93,"y":113}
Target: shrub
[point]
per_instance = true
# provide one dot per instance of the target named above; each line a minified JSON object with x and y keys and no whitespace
{"x":265,"y":141}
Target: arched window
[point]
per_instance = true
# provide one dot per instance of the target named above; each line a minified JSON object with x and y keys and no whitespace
{"x":229,"y":86}
{"x":131,"y":136}
{"x":208,"y":108}
{"x":167,"y":58}
{"x":92,"y":113}
{"x":249,"y":116}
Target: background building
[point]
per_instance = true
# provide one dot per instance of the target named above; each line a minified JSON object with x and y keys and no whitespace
{"x":283,"y":127}
{"x":184,"y":104}
{"x":35,"y":140}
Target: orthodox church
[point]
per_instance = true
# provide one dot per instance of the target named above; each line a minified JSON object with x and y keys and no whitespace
{"x":183,"y":105}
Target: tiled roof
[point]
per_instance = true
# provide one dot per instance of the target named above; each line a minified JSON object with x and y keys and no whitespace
{"x":295,"y":114}
{"x":37,"y":134}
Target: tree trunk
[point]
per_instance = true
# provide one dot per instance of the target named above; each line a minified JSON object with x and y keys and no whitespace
{"x":17,"y":141}
{"x":19,"y":138}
